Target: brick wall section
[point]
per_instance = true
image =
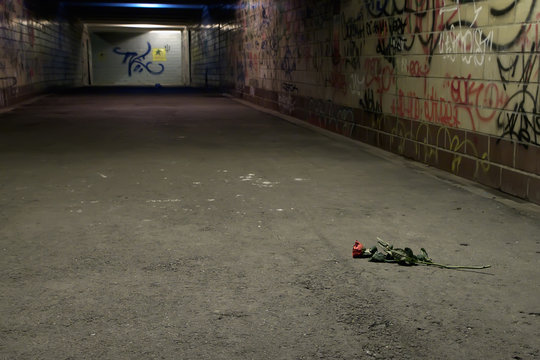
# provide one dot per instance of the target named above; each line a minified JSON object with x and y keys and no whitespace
{"x":453,"y":85}
{"x":38,"y":54}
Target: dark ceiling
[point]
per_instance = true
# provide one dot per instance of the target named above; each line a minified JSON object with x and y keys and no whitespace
{"x":188,"y":12}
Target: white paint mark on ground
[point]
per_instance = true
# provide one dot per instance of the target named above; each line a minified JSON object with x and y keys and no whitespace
{"x":258,"y":181}
{"x":264,"y":184}
{"x":211,"y":200}
{"x":102,"y":175}
{"x":247,"y":177}
{"x":300,"y":179}
{"x":163,"y":201}
{"x":196,"y":183}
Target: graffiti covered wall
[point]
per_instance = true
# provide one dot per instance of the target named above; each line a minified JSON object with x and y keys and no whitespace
{"x":38,"y":53}
{"x":138,"y":57}
{"x":454,"y":84}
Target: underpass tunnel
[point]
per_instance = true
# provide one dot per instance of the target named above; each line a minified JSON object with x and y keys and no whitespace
{"x":118,"y":38}
{"x":187,"y":179}
{"x":451,"y":85}
{"x":153,"y":40}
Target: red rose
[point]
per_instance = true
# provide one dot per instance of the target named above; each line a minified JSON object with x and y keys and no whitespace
{"x":357,"y":250}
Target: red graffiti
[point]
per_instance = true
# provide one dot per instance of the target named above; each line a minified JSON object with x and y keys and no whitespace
{"x":407,"y":106}
{"x":489,"y":99}
{"x":415,"y":69}
{"x":379,"y":75}
{"x":531,"y":35}
{"x":439,"y":110}
{"x":484,"y":98}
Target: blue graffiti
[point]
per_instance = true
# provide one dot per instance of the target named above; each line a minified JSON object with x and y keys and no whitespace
{"x":136,"y":61}
{"x":288,"y":64}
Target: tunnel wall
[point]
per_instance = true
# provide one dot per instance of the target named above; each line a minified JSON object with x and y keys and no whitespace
{"x":205,"y":56}
{"x":138,"y":57}
{"x":453,"y":84}
{"x":205,"y":52}
{"x":38,"y":53}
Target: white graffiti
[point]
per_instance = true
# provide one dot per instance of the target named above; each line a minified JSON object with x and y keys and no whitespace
{"x":470,"y":44}
{"x":357,"y":84}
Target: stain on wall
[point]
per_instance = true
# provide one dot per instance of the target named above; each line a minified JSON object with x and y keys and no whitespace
{"x":38,"y":53}
{"x":454,"y":84}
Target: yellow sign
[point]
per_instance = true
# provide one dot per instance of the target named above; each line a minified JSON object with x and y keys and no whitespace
{"x":159,"y":54}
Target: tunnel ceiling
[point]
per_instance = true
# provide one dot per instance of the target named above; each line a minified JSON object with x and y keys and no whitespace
{"x":188,"y":12}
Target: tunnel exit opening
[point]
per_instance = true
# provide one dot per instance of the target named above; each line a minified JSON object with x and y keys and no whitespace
{"x":138,"y":55}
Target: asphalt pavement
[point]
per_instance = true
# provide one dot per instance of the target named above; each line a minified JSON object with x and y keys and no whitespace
{"x":178,"y":224}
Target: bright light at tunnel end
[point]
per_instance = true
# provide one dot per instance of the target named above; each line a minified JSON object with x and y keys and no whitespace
{"x":149,"y":6}
{"x":137,"y":5}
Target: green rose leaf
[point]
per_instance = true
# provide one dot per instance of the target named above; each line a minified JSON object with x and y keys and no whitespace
{"x":408,"y":258}
{"x":378,"y":257}
{"x":408,"y":252}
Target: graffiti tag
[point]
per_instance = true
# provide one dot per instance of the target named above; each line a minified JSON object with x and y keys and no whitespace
{"x":136,"y":62}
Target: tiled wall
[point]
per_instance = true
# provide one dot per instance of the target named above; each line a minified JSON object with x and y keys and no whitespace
{"x":454,"y":84}
{"x":205,"y":56}
{"x":38,"y":53}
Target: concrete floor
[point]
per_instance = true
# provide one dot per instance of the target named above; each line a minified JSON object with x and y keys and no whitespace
{"x":181,"y":225}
